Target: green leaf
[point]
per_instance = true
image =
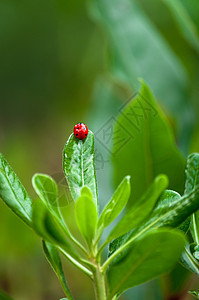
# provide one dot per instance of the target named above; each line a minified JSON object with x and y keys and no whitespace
{"x":86,"y":216}
{"x":170,"y":211}
{"x":154,"y":254}
{"x":79,"y":165}
{"x":13,"y":193}
{"x":192,"y":180}
{"x":188,"y":260}
{"x":53,"y":258}
{"x":151,"y":148}
{"x":48,"y":227}
{"x":4,"y":296}
{"x":192,"y":172}
{"x":141,"y":209}
{"x":116,"y":204}
{"x":46,"y":189}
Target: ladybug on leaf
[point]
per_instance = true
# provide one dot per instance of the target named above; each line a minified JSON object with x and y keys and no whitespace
{"x":80,"y":131}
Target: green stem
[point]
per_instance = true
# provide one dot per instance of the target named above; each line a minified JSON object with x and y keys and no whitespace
{"x":99,"y":283}
{"x":195,"y":230}
{"x":76,"y":263}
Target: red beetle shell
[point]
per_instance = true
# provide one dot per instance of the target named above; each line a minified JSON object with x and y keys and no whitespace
{"x":80,"y":131}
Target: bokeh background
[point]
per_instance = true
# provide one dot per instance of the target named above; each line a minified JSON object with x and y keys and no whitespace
{"x":64,"y":62}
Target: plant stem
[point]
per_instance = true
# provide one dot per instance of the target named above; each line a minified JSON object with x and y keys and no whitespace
{"x":76,"y":263}
{"x":99,"y":283}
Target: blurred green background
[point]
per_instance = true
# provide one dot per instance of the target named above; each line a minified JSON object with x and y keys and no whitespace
{"x":64,"y":62}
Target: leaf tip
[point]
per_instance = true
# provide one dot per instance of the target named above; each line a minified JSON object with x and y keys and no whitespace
{"x":162,"y":181}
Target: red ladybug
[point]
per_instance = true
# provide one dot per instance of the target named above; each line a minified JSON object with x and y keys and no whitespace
{"x":80,"y":131}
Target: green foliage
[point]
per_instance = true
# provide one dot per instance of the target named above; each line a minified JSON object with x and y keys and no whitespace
{"x":190,"y":257}
{"x":141,"y":209}
{"x":170,"y":211}
{"x":151,"y":149}
{"x":46,"y":189}
{"x":79,"y":165}
{"x":116,"y":204}
{"x":86,"y":216}
{"x":147,"y":243}
{"x":13,"y":193}
{"x":150,"y":256}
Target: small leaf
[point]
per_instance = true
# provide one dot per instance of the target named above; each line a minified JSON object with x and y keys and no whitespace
{"x":53,"y":258}
{"x":48,"y":227}
{"x":85,"y":191}
{"x":46,"y":189}
{"x":141,"y":209}
{"x":86,"y":216}
{"x":13,"y":193}
{"x":79,"y":165}
{"x":154,"y":254}
{"x":116,"y":204}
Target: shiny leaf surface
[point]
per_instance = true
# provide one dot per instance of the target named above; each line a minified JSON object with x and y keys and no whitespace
{"x":13,"y":193}
{"x":79,"y":165}
{"x":149,"y":257}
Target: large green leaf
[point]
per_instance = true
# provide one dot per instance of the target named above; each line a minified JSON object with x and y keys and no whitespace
{"x":86,"y":215}
{"x":53,"y":258}
{"x":116,"y":204}
{"x":170,"y":211}
{"x":13,"y":193}
{"x":151,"y":150}
{"x":149,"y":257}
{"x":141,"y":209}
{"x":79,"y":165}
